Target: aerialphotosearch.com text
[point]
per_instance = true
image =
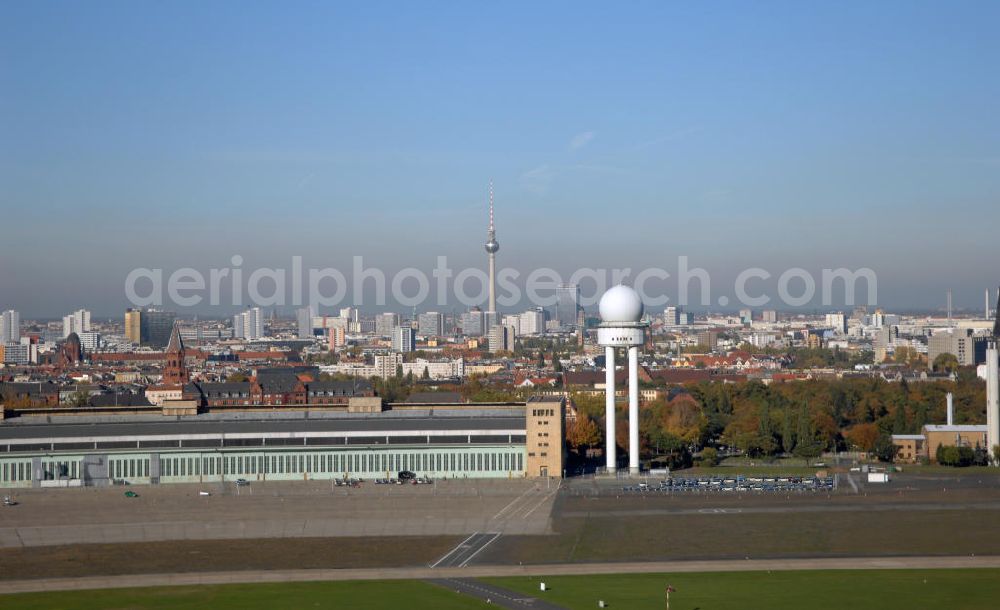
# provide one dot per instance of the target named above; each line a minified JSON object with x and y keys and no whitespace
{"x":361,"y":286}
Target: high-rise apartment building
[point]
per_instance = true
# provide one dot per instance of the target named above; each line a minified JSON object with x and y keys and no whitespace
{"x":502,"y":338}
{"x":90,"y":341}
{"x":837,"y":321}
{"x":385,"y":323}
{"x":532,"y":322}
{"x":337,"y":336}
{"x":567,"y":304}
{"x":304,"y":317}
{"x":10,"y":327}
{"x":769,"y":316}
{"x":473,"y":323}
{"x":19,"y":352}
{"x":77,"y":322}
{"x":249,"y":324}
{"x":404,"y":338}
{"x":430,"y":324}
{"x":386,"y":365}
{"x":671,"y":316}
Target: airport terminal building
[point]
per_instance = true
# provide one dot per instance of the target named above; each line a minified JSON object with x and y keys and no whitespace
{"x":438,"y":441}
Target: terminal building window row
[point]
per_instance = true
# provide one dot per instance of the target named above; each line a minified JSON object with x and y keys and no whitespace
{"x":334,"y":463}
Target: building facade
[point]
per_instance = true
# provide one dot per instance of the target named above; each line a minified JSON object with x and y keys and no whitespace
{"x":567,"y":304}
{"x":249,"y":324}
{"x":480,"y":441}
{"x":404,"y":338}
{"x":77,"y":322}
{"x":430,"y":324}
{"x":10,"y":327}
{"x":133,"y":326}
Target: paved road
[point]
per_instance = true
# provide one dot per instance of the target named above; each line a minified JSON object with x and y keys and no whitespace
{"x":497,"y":596}
{"x":461,"y":555}
{"x":427,"y":573}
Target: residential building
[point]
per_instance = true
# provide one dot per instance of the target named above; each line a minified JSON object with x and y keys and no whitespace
{"x":769,"y":316}
{"x":435,"y":369}
{"x":837,"y":321}
{"x":77,"y":322}
{"x":304,"y":318}
{"x":708,"y":338}
{"x":472,"y":323}
{"x":567,"y":304}
{"x":430,"y":324}
{"x":385,"y":323}
{"x":502,"y":338}
{"x":336,"y":337}
{"x":532,"y":322}
{"x":386,"y":365}
{"x":91,"y":341}
{"x":249,"y":324}
{"x":18,"y":352}
{"x":404,"y":338}
{"x":10,"y":327}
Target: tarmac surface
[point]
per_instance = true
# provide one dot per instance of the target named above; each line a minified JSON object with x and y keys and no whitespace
{"x":427,"y":573}
{"x":465,"y":551}
{"x":312,"y":509}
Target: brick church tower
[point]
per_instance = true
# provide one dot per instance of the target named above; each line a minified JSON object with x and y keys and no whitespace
{"x":175,"y":372}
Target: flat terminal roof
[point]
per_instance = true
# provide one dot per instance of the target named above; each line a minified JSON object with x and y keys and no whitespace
{"x":375,"y":425}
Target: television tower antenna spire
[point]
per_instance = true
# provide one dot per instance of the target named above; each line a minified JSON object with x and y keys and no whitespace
{"x":492,"y":230}
{"x":492,"y":245}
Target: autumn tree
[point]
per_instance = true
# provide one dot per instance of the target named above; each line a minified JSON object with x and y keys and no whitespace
{"x":683,"y":418}
{"x":583,"y":434}
{"x":946,"y":363}
{"x":805,"y":436}
{"x":863,"y":436}
{"x":885,"y":450}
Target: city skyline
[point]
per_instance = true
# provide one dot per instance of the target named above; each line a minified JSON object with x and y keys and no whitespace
{"x":371,"y":131}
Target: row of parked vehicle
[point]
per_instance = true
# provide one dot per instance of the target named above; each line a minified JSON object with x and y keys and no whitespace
{"x":414,"y":481}
{"x":737,"y":483}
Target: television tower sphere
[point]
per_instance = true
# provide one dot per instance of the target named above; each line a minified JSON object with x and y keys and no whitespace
{"x":620,"y":304}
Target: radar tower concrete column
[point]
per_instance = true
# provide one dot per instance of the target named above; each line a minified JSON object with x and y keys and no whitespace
{"x":611,"y":459}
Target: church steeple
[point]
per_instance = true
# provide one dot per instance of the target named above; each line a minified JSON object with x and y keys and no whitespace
{"x":175,"y":372}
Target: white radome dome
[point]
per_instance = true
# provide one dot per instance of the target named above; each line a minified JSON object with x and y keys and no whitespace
{"x":620,"y":304}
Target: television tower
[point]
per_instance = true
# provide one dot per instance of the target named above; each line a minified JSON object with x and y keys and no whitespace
{"x":492,"y":245}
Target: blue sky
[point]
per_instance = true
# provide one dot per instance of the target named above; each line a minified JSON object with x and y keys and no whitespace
{"x":771,"y":134}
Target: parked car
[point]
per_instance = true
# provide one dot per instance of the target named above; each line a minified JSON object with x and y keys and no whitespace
{"x":406,"y":475}
{"x":242,"y":482}
{"x":9,"y":501}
